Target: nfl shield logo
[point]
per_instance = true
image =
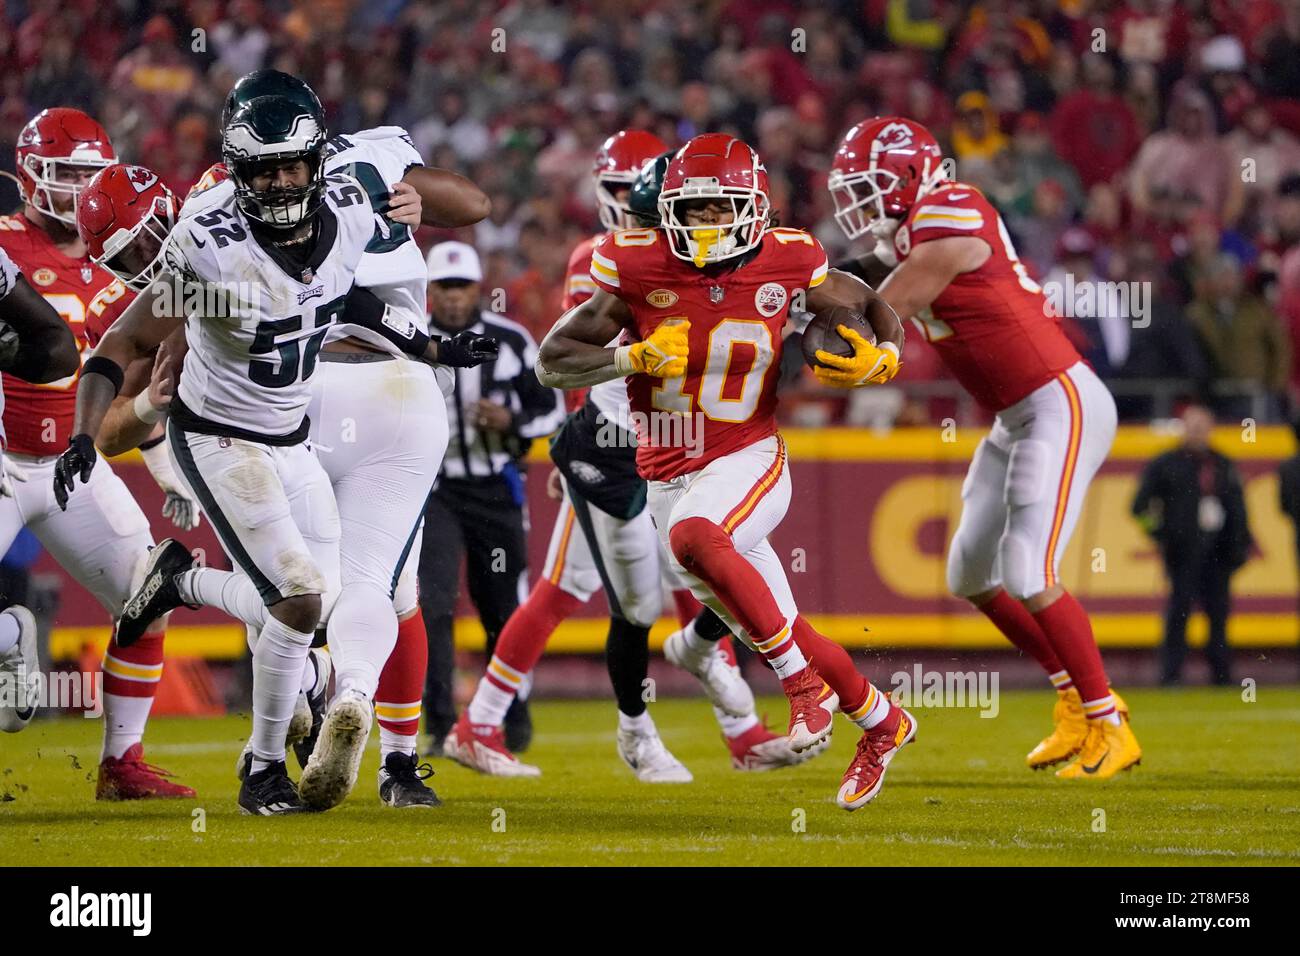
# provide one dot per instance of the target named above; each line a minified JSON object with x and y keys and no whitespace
{"x":715,"y":294}
{"x":308,"y":274}
{"x":87,"y":274}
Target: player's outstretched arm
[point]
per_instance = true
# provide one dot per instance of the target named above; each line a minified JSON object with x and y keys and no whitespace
{"x":46,"y":350}
{"x":575,"y":353}
{"x":447,"y":199}
{"x":147,"y":389}
{"x":929,"y":269}
{"x":138,"y":331}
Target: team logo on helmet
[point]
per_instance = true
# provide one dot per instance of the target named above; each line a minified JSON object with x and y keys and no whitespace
{"x":141,"y":178}
{"x":770,"y":299}
{"x":895,"y":136}
{"x":662,"y":298}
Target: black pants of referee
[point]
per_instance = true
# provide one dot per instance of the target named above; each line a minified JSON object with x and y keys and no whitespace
{"x":478,"y":519}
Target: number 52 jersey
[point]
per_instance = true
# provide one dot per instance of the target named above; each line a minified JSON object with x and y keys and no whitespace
{"x":256,"y":320}
{"x":727,"y":398}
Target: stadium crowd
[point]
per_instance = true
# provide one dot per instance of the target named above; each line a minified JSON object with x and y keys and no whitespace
{"x":1134,"y":141}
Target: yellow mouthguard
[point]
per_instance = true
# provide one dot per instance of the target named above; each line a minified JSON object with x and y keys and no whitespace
{"x":705,"y":239}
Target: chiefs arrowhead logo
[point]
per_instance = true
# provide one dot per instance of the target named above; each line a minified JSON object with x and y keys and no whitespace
{"x":894,"y":136}
{"x":140,"y":178}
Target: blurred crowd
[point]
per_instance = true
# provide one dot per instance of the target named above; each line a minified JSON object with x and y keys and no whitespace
{"x":1141,"y":141}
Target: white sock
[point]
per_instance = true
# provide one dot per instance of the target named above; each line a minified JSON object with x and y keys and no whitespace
{"x":734,"y":726}
{"x":489,"y":704}
{"x":873,"y":710}
{"x":277,"y":679}
{"x":640,"y":724}
{"x":312,"y":671}
{"x":362,"y":633}
{"x":697,"y":645}
{"x":124,"y":720}
{"x":9,"y":633}
{"x":225,"y":590}
{"x":390,"y":742}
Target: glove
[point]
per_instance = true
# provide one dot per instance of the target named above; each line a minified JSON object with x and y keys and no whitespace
{"x":662,"y":353}
{"x":8,"y":345}
{"x":9,"y":473}
{"x":883,"y":230}
{"x":79,"y":459}
{"x":466,"y":349}
{"x":179,"y":505}
{"x":869,"y":364}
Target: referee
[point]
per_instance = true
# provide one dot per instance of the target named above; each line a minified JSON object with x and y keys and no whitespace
{"x":477,"y":507}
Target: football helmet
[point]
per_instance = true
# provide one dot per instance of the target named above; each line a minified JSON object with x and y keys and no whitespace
{"x":58,"y":137}
{"x":268,"y":83}
{"x":643,"y":197}
{"x":266,"y":131}
{"x":883,"y":166}
{"x":715,"y":166}
{"x":619,"y":160}
{"x":125,"y":216}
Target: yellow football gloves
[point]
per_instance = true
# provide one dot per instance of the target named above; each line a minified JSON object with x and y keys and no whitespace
{"x":662,"y":353}
{"x":869,"y":364}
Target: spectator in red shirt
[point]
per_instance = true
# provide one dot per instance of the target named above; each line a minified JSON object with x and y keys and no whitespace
{"x":1094,"y":128}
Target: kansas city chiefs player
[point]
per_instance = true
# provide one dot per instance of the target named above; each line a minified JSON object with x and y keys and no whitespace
{"x":603,"y":537}
{"x":703,"y":300}
{"x":956,"y":274}
{"x":103,"y":539}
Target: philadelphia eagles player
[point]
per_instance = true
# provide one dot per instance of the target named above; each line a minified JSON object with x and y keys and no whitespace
{"x":274,"y":250}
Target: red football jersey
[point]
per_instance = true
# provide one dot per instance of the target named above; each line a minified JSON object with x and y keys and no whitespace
{"x":38,"y":418}
{"x":578,"y":288}
{"x":991,"y":325}
{"x":727,"y":398}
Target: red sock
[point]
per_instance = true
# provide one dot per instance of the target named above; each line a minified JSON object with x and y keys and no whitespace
{"x":706,"y":551}
{"x":834,"y":665}
{"x":1067,"y":627}
{"x":401,"y":682}
{"x":525,"y":635}
{"x":136,"y":670}
{"x":687,"y":606}
{"x":1019,"y":627}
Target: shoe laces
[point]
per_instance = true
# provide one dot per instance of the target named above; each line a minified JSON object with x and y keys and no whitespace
{"x":407,"y":769}
{"x":139,"y":766}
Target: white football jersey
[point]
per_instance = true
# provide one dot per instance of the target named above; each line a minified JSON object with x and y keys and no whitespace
{"x":393,"y":267}
{"x":255,"y":333}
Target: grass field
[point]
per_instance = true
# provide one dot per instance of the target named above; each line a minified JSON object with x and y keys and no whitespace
{"x":1219,"y":784}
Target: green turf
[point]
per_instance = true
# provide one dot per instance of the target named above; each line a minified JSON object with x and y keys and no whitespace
{"x":1218,"y":785}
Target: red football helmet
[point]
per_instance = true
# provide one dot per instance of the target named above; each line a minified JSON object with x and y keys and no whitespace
{"x":882,"y":167}
{"x":715,"y":166}
{"x":619,"y":160}
{"x":59,"y":137}
{"x":124,"y":216}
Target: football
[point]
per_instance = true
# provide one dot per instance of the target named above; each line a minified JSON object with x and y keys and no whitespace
{"x":821,"y":333}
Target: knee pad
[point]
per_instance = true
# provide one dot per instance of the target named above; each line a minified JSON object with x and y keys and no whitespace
{"x":1026,"y":472}
{"x":1018,"y":571}
{"x":692,"y":538}
{"x":642,"y":609}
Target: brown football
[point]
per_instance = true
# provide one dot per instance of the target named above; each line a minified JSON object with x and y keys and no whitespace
{"x":822,"y":333}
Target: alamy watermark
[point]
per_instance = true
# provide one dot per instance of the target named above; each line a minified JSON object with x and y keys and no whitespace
{"x":58,"y":690}
{"x":921,"y":688}
{"x":657,"y":429}
{"x":1090,"y":299}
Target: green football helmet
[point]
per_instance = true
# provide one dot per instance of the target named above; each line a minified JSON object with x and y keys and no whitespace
{"x":643,"y":197}
{"x":268,"y":83}
{"x":263,"y":133}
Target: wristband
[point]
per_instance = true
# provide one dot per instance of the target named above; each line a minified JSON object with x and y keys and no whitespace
{"x":144,"y":409}
{"x":98,"y":365}
{"x":623,"y":360}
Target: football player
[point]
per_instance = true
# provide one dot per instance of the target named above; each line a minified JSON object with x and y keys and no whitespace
{"x":603,"y":536}
{"x":37,"y":346}
{"x":103,"y":540}
{"x":703,"y":300}
{"x":953,"y":270}
{"x":273,"y":251}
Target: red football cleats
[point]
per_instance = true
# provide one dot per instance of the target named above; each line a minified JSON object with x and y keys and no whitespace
{"x":130,"y":778}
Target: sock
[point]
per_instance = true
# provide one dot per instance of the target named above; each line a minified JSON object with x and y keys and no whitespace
{"x":362,"y":632}
{"x":312,"y":672}
{"x":401,"y":683}
{"x":277,"y":679}
{"x":873,"y":711}
{"x":1066,"y":625}
{"x":1061,"y":680}
{"x":9,"y":633}
{"x":781,"y":651}
{"x":734,"y":726}
{"x":710,"y":627}
{"x":131,"y":676}
{"x":638,"y":723}
{"x":518,"y":649}
{"x":1019,"y":627}
{"x":705,"y":550}
{"x":834,"y":665}
{"x":627,"y":656}
{"x":224,"y":590}
{"x":687,"y":606}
